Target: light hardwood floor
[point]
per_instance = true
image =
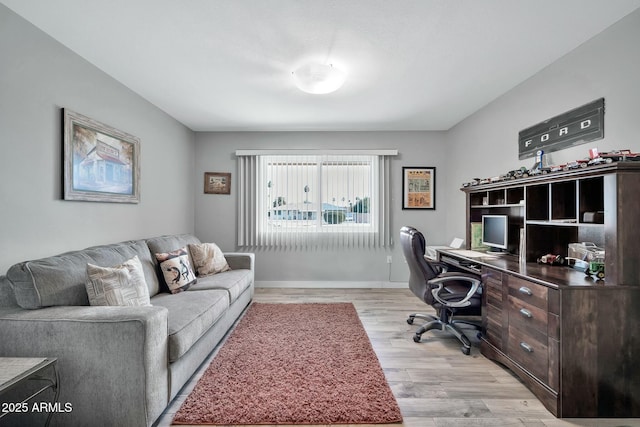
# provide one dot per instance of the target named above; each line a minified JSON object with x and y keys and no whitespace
{"x":434,"y":383}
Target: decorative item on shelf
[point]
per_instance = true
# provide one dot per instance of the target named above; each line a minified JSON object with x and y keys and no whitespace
{"x":476,"y":236}
{"x":587,"y":251}
{"x":552,"y":259}
{"x":578,"y":264}
{"x":593,"y":217}
{"x":621,"y":155}
{"x":518,"y":173}
{"x":596,"y":268}
{"x":599,"y":159}
{"x":596,"y":158}
{"x":589,"y":258}
{"x":575,"y":164}
{"x":540,"y":166}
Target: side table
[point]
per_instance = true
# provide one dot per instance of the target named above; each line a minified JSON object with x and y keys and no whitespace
{"x":15,"y":371}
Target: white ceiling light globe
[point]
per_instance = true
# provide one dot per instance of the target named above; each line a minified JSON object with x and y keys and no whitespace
{"x":319,"y":78}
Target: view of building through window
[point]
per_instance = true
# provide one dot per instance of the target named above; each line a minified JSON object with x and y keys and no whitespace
{"x":318,"y":191}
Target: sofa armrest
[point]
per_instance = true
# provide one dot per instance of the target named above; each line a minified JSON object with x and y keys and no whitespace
{"x":112,"y":361}
{"x":240,"y":260}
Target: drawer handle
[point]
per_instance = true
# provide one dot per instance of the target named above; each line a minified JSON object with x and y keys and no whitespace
{"x":525,"y":290}
{"x":526,"y":313}
{"x":526,"y":347}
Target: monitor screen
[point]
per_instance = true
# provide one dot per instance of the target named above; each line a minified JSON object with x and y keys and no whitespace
{"x":494,"y":231}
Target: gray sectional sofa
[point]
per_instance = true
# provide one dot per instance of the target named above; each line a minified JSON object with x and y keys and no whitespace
{"x":118,"y":366}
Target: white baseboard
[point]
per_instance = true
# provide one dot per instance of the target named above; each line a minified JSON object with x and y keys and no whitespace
{"x":329,"y":284}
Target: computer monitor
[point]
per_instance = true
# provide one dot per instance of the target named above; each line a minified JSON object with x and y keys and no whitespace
{"x":495,"y":231}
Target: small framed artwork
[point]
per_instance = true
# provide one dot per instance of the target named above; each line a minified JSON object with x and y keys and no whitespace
{"x":418,"y":188}
{"x":101,"y":164}
{"x":217,"y":183}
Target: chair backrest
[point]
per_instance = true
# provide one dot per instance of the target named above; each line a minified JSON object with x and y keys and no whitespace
{"x":420,"y":271}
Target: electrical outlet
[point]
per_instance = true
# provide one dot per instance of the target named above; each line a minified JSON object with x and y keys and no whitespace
{"x":389,"y":259}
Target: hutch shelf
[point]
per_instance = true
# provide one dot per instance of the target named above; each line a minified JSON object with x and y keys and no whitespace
{"x":572,"y":339}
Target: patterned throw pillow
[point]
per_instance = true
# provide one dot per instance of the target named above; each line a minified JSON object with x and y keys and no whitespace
{"x":208,"y":259}
{"x":122,"y":285}
{"x":176,"y":270}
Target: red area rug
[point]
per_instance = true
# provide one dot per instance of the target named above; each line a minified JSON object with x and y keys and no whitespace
{"x":293,"y":364}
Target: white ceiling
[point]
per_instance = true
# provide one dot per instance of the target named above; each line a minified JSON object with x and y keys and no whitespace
{"x":413,"y":64}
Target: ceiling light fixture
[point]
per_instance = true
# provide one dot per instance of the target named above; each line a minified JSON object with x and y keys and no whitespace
{"x":319,"y":78}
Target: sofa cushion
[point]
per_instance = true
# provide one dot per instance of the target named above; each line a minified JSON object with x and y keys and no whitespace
{"x":232,"y":281}
{"x":190,"y":315}
{"x":121,"y":285}
{"x":177,"y":272}
{"x":7,"y":298}
{"x":170,"y":243}
{"x":60,"y":279}
{"x":208,"y":259}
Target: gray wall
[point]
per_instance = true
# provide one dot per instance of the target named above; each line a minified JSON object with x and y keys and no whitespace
{"x":38,"y":77}
{"x":486,"y":143}
{"x":216,"y":215}
{"x":483,"y":145}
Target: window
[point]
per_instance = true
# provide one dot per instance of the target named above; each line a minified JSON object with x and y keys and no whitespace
{"x":313,"y":199}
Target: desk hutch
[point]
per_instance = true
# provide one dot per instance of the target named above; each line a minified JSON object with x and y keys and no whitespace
{"x":573,"y":340}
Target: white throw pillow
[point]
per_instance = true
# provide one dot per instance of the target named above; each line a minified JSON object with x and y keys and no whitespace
{"x":122,"y":285}
{"x":208,"y":259}
{"x":176,"y":270}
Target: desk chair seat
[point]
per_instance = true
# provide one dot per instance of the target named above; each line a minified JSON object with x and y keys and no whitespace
{"x":449,"y":293}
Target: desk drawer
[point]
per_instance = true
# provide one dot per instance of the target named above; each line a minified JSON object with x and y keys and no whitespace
{"x":529,"y":292}
{"x":530,"y":351}
{"x":526,"y":316}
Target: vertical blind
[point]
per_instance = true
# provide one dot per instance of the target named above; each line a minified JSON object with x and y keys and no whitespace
{"x":314,"y":198}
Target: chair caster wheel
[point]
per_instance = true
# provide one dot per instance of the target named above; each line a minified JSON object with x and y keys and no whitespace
{"x":479,"y":335}
{"x":416,"y":338}
{"x":466,"y":350}
{"x":410,"y":320}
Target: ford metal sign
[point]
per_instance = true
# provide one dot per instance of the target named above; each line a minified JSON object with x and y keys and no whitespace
{"x":578,"y":126}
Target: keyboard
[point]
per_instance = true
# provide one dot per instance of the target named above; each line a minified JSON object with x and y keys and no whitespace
{"x":471,"y":254}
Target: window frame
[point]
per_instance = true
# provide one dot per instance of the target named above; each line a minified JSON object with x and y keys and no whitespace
{"x":250,"y":199}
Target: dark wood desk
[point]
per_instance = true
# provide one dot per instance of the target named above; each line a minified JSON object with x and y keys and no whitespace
{"x":574,"y":341}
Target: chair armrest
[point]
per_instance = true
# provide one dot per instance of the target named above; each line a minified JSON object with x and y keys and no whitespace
{"x":112,"y":361}
{"x":240,"y":260}
{"x":440,"y":266}
{"x":440,"y":281}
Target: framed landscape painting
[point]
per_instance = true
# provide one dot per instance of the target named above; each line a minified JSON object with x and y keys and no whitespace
{"x":418,"y":188}
{"x":101,"y":164}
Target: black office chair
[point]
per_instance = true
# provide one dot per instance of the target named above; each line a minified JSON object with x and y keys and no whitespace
{"x":449,"y":293}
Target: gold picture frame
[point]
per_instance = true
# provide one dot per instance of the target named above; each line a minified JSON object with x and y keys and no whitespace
{"x":217,"y":183}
